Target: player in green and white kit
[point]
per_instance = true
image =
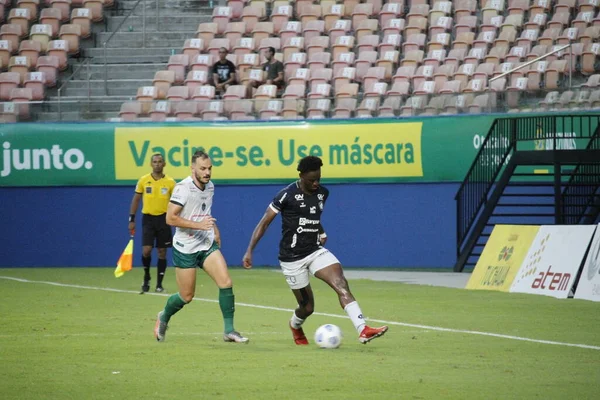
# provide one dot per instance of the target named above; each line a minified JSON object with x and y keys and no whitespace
{"x":196,"y":244}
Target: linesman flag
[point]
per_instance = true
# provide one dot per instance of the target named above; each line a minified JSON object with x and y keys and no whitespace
{"x":125,"y":261}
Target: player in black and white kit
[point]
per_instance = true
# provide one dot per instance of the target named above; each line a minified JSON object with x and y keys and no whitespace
{"x":301,"y":249}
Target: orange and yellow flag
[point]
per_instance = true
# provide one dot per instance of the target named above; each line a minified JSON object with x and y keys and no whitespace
{"x":125,"y":261}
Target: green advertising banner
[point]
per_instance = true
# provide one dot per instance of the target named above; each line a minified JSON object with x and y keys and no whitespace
{"x":435,"y":149}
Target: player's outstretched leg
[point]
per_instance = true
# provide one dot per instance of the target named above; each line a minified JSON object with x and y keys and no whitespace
{"x":214,"y":265}
{"x":333,"y":275}
{"x":160,"y":329}
{"x":369,"y":333}
{"x":306,"y":306}
{"x":174,"y":304}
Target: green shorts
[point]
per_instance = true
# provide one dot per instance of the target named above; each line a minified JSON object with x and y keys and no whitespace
{"x":183,"y":260}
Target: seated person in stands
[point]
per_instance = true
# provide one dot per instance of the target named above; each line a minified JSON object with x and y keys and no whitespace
{"x":223,"y":73}
{"x":273,"y":70}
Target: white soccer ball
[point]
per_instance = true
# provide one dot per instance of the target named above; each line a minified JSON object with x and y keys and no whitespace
{"x":328,"y":336}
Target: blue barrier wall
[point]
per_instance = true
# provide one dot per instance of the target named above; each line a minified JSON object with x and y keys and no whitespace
{"x":376,"y":225}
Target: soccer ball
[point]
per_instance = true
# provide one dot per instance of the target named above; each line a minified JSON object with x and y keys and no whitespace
{"x":328,"y":336}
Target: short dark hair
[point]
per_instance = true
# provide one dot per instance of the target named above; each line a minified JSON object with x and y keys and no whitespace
{"x":309,"y":163}
{"x":271,"y":49}
{"x":223,"y":49}
{"x":157,"y":155}
{"x":199,"y":154}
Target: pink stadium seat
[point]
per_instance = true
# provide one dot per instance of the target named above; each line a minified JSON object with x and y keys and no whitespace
{"x":207,"y":31}
{"x":221,"y":17}
{"x":390,"y":107}
{"x":30,"y":49}
{"x":345,"y":107}
{"x":6,"y":51}
{"x":71,"y":33}
{"x":59,"y":49}
{"x":292,"y":29}
{"x":49,"y":65}
{"x":178,"y":93}
{"x":280,"y":17}
{"x":234,"y":31}
{"x":8,"y":82}
{"x":21,"y":17}
{"x":178,"y":63}
{"x":35,"y":81}
{"x":11,"y":33}
{"x":196,"y":79}
{"x":251,"y":15}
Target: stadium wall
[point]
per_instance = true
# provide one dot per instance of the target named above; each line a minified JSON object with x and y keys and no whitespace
{"x":375,"y":225}
{"x":65,"y":189}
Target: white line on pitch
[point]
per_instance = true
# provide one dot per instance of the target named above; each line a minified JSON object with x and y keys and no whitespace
{"x":425,"y":327}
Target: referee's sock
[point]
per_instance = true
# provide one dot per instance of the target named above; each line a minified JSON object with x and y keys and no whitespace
{"x":162,"y":267}
{"x":146,"y":263}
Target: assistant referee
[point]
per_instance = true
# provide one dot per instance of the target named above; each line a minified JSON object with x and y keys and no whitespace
{"x":155,"y":189}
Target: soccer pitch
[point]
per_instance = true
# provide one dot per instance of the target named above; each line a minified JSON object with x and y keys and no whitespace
{"x":82,"y":334}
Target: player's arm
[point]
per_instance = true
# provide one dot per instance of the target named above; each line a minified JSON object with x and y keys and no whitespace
{"x":258,"y":233}
{"x":322,"y":235}
{"x":135,"y":203}
{"x":174,"y":219}
{"x":217,"y":235}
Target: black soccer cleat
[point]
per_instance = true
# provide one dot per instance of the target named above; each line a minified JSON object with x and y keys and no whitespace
{"x":159,"y":289}
{"x":145,"y":286}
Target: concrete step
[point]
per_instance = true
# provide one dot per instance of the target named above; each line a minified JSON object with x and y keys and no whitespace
{"x":173,"y":23}
{"x":139,"y":40}
{"x":119,"y":71}
{"x":125,"y":55}
{"x":115,"y":87}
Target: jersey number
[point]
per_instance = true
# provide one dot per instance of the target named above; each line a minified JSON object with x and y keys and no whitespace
{"x":294,"y":239}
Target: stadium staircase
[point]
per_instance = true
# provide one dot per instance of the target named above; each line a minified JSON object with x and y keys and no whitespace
{"x":132,"y":58}
{"x":529,"y":170}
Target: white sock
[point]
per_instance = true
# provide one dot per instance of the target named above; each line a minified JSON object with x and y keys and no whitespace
{"x":356,"y":316}
{"x":295,"y":321}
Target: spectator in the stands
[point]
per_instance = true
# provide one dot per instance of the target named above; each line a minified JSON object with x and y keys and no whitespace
{"x":273,"y":69}
{"x":223,"y":73}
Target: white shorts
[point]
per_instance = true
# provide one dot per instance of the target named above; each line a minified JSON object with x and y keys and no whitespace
{"x":296,"y":272}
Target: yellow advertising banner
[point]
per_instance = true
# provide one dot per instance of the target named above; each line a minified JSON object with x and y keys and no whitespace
{"x":271,"y":152}
{"x":502,"y":257}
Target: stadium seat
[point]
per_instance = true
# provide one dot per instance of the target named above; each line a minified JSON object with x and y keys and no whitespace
{"x":31,"y":50}
{"x":58,"y":49}
{"x":178,"y":63}
{"x":83,"y":18}
{"x":179,"y":93}
{"x":160,"y":110}
{"x":21,"y":65}
{"x":318,"y":61}
{"x":21,"y":17}
{"x":11,"y":33}
{"x":36,"y":82}
{"x":192,"y":48}
{"x":345,"y":107}
{"x":130,"y":110}
{"x":71,"y":33}
{"x":8,"y":82}
{"x":49,"y":65}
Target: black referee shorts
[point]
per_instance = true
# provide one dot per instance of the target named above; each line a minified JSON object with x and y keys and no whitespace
{"x":156,"y":232}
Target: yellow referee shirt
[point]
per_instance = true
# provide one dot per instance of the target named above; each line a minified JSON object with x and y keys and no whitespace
{"x":155,"y":193}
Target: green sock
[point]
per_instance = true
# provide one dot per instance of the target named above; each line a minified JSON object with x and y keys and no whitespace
{"x":174,"y":304}
{"x":227,"y":304}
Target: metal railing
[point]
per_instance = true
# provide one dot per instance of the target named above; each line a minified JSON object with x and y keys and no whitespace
{"x":105,"y":43}
{"x":528,"y":63}
{"x":86,"y":64}
{"x":148,"y":19}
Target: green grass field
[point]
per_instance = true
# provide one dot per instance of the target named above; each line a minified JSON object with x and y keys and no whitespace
{"x":68,"y":342}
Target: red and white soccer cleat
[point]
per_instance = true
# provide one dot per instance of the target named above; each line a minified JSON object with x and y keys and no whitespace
{"x":299,"y":336}
{"x":369,"y":333}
